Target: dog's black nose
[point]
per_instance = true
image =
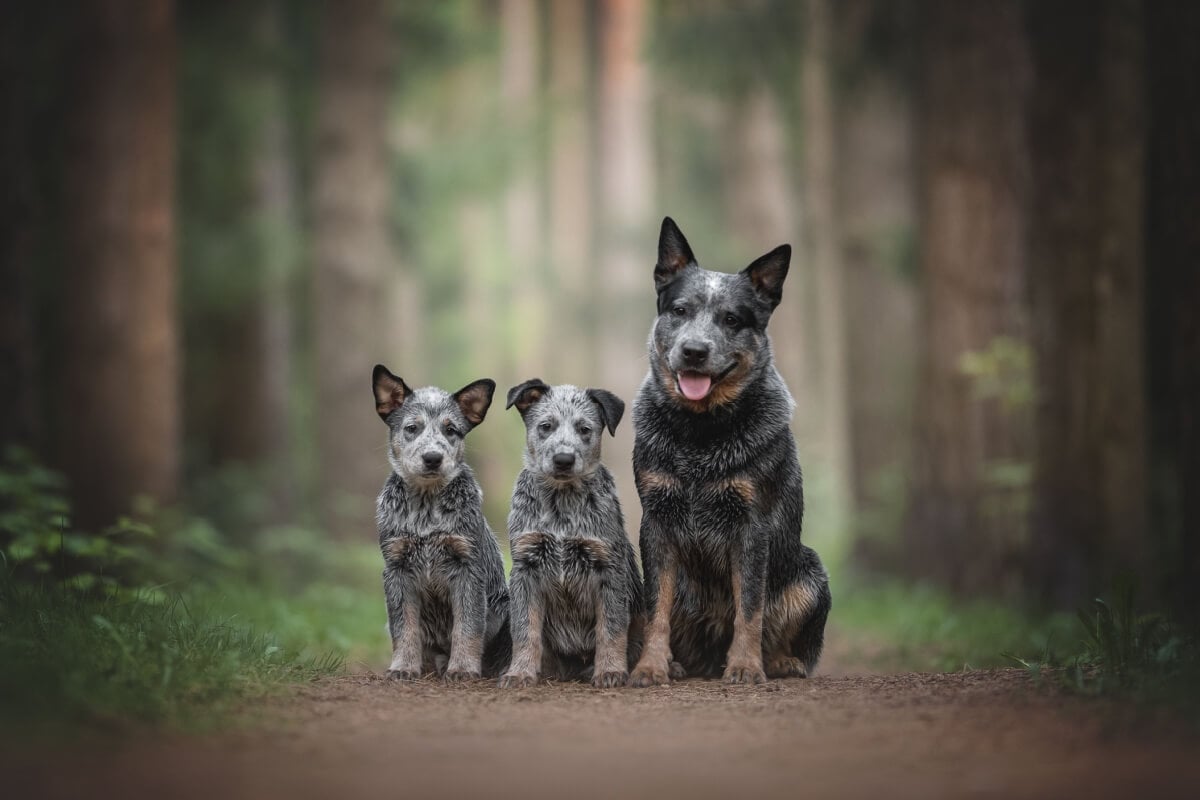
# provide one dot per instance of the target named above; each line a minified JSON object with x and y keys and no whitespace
{"x":695,"y":353}
{"x":432,"y":460}
{"x":564,"y":460}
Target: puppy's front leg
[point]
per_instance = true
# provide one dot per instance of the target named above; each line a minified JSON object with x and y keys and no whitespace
{"x":404,"y":624}
{"x":525,"y":609}
{"x":468,"y":603}
{"x":744,"y":662}
{"x":612,"y":632}
{"x":654,"y":667}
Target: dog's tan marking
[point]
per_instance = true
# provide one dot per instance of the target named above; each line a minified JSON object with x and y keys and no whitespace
{"x":654,"y":664}
{"x":396,"y":550}
{"x":742,"y":487}
{"x":458,"y":546}
{"x":648,"y":481}
{"x":527,"y":544}
{"x":744,"y":661}
{"x":722,"y":393}
{"x":598,"y":552}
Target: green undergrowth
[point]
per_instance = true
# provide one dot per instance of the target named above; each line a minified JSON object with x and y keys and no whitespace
{"x":893,"y":625}
{"x":162,"y":620}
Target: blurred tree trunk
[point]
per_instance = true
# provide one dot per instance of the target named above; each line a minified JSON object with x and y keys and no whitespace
{"x":1173,"y":283}
{"x":626,"y":210}
{"x":569,"y":216}
{"x":519,"y":73}
{"x":350,"y":228}
{"x":820,"y":190}
{"x":964,"y":526}
{"x":18,"y":211}
{"x":1086,"y":268}
{"x":119,"y":415}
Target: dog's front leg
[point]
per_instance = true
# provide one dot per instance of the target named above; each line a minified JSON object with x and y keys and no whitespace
{"x":662,"y":575}
{"x":468,"y":603}
{"x":612,"y":631}
{"x":525,"y":610}
{"x":744,"y":662}
{"x":404,"y":624}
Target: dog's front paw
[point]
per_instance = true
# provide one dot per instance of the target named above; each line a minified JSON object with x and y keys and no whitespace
{"x":744,"y":673}
{"x":610,"y":680}
{"x":405,"y":674}
{"x":462,"y":675}
{"x":517,"y":680}
{"x":650,"y":675}
{"x":786,"y":667}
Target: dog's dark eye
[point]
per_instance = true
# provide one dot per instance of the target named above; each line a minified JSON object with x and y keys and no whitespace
{"x":544,"y":427}
{"x":410,"y":428}
{"x":584,"y":430}
{"x":733,"y":321}
{"x":679,"y":311}
{"x":452,"y":431}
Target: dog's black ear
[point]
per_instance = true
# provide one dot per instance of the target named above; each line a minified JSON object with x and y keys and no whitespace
{"x":526,"y":394}
{"x":390,"y":391}
{"x":611,"y":408}
{"x":767,"y":273}
{"x":673,"y":254}
{"x":474,"y":399}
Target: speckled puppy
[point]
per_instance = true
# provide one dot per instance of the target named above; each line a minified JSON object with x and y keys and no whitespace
{"x":443,"y":576}
{"x":575,"y":588}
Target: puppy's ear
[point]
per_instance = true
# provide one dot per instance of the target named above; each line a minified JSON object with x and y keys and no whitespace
{"x":767,"y":274}
{"x":390,"y":391}
{"x":474,"y":399}
{"x":611,"y":408}
{"x":526,"y":394}
{"x":673,"y":254}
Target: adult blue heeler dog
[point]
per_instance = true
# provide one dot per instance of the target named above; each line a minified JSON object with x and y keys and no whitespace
{"x":443,"y":576}
{"x":730,"y":589}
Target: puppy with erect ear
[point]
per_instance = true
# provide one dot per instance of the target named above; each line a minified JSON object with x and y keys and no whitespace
{"x":576,"y":594}
{"x":443,"y":576}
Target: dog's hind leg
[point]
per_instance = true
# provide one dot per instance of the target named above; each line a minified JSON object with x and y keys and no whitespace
{"x":794,"y":629}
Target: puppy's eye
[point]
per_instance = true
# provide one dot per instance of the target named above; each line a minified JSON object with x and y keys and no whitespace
{"x":452,"y":431}
{"x":584,"y":430}
{"x":733,"y":320}
{"x":679,"y":311}
{"x":410,"y":428}
{"x":544,"y":427}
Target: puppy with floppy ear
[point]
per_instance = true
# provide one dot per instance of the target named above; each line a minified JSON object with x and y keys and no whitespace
{"x":443,"y":574}
{"x":576,"y":600}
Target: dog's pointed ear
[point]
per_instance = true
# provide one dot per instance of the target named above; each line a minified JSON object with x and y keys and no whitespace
{"x":524,"y":395}
{"x":474,"y":399}
{"x":390,"y":391}
{"x":611,"y":408}
{"x":767,"y":274}
{"x":674,"y":254}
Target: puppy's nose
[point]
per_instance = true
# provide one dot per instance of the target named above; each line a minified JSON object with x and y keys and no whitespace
{"x":564,"y":460}
{"x":695,"y":353}
{"x":432,"y":460}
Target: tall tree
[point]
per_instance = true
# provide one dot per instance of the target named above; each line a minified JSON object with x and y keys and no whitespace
{"x":569,"y":210}
{"x":1086,"y":266}
{"x":820,"y":121}
{"x":118,"y":421}
{"x":626,"y":206}
{"x":1173,"y":277}
{"x":964,"y":529}
{"x":350,"y":230}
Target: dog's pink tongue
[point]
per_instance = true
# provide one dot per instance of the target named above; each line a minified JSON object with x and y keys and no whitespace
{"x":694,"y":385}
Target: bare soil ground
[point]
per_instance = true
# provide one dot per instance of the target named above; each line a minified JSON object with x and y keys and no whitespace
{"x":841,"y":734}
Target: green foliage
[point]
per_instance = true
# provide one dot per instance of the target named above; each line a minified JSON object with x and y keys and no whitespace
{"x":1127,"y":652}
{"x":922,"y":628}
{"x":1003,"y":370}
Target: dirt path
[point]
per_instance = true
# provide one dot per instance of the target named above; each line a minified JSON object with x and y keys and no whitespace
{"x":972,"y":734}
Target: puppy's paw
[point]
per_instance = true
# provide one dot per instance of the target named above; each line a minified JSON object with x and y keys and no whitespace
{"x":462,"y":675}
{"x":404,"y":674}
{"x":517,"y":680}
{"x":650,"y":675}
{"x":744,"y":673}
{"x":786,"y":667}
{"x":676,"y":671}
{"x":609,"y":680}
